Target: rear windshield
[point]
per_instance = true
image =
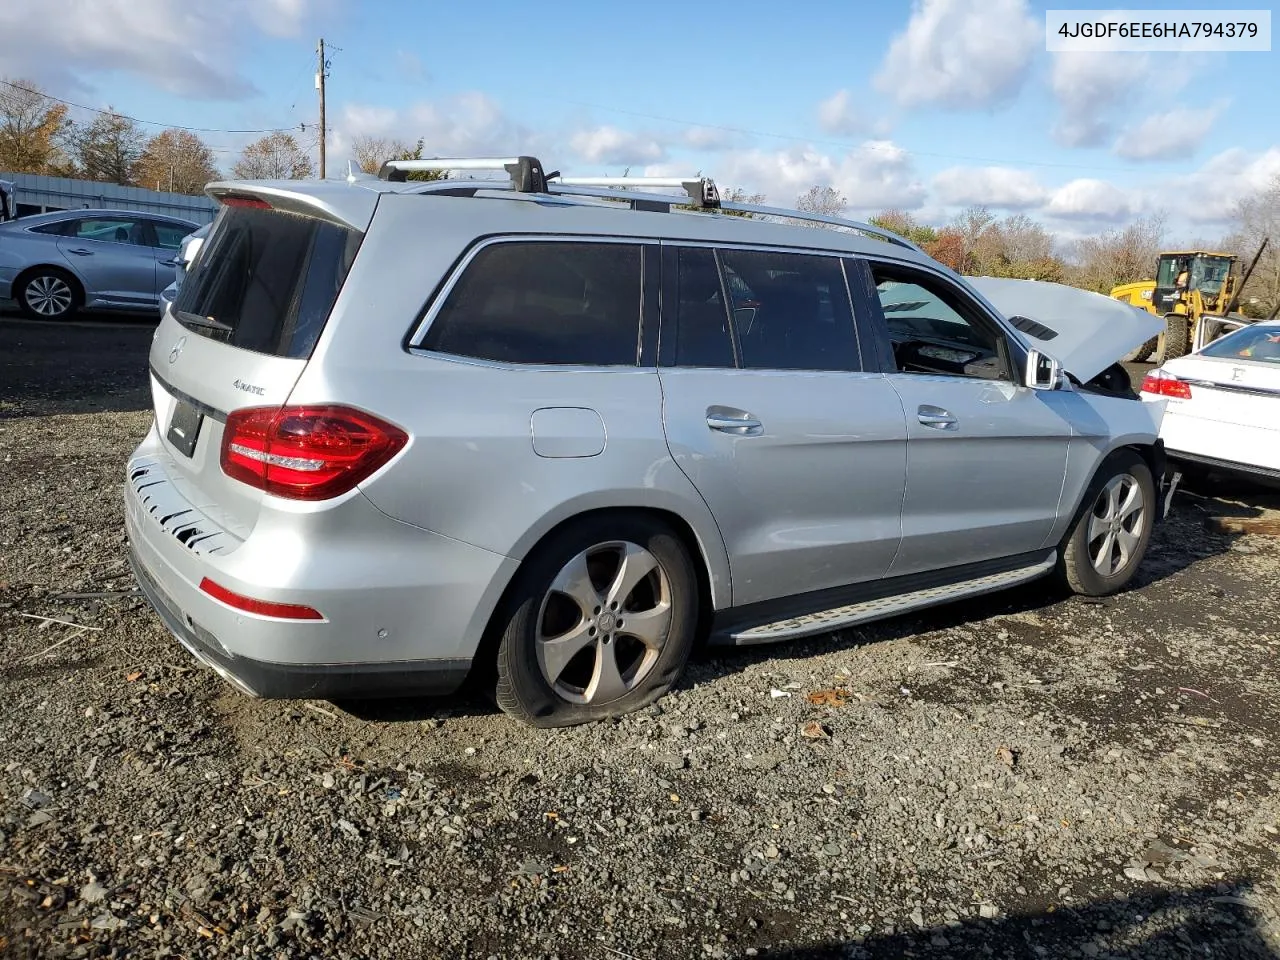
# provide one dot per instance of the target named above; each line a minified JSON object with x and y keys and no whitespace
{"x":1249,"y":343}
{"x":266,"y":280}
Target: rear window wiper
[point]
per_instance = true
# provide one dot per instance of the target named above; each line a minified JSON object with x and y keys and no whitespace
{"x":192,"y":320}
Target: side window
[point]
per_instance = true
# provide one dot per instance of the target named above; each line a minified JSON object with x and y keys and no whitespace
{"x":791,"y":311}
{"x":934,"y":328}
{"x":545,"y":302}
{"x":110,"y":230}
{"x":169,"y":236}
{"x":703,"y":338}
{"x":59,"y":228}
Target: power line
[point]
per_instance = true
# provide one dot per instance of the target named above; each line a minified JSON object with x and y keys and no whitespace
{"x":149,"y":123}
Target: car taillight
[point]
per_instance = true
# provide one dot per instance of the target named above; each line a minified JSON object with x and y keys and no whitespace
{"x":1165,"y":385}
{"x":305,"y":452}
{"x":252,"y":202}
{"x":267,"y":608}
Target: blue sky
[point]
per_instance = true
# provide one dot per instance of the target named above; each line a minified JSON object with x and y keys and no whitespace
{"x":927,"y":106}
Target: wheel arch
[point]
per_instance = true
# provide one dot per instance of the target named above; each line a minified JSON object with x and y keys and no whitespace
{"x":1151,"y":452}
{"x":78,"y":287}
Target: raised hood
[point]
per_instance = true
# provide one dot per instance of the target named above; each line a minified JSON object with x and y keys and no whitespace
{"x":1085,"y":331}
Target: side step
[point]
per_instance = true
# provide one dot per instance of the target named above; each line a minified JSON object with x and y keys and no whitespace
{"x":825,"y":621}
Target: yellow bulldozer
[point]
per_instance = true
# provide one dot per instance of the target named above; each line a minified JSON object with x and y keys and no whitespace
{"x":1192,"y":289}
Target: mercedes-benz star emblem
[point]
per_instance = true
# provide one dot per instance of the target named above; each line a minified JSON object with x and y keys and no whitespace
{"x":176,"y":352}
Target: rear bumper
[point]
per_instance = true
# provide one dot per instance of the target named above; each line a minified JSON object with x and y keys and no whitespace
{"x":403,"y":608}
{"x":259,"y":678}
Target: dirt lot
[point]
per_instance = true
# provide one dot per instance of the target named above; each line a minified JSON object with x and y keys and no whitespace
{"x":1020,"y":775}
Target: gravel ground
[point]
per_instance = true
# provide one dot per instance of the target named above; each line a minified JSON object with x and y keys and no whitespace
{"x":1019,"y":775}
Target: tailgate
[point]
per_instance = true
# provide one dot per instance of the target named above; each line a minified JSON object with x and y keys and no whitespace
{"x":239,"y":335}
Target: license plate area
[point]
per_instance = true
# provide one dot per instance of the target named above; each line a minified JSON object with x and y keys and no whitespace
{"x":184,"y":427}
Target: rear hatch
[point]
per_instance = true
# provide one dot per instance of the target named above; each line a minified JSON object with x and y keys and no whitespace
{"x":1223,"y":390}
{"x":239,"y":335}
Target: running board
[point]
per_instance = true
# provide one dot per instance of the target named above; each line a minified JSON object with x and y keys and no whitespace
{"x":834,"y":619}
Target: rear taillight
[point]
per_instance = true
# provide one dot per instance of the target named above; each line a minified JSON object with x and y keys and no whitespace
{"x":306,"y":453}
{"x":1165,"y":385}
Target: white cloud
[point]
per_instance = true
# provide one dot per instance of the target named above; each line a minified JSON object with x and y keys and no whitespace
{"x":1210,"y":194}
{"x":469,"y":124}
{"x":710,"y":138}
{"x":614,"y":147}
{"x":961,"y":53}
{"x":875,"y":175}
{"x":1087,"y":199}
{"x":1173,"y":135}
{"x":190,"y":49}
{"x":1091,"y":87}
{"x":1002,"y":187}
{"x":837,"y":116}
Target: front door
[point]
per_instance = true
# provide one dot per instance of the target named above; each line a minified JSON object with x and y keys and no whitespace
{"x":799,"y":454}
{"x":986,"y":457}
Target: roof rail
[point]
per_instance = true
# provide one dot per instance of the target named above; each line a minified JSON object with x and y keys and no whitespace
{"x":879,"y":233}
{"x":526,"y":172}
{"x":701,"y":190}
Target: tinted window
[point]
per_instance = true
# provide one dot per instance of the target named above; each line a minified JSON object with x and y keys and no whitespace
{"x":110,"y":230}
{"x":169,"y":235}
{"x":791,"y":311}
{"x":701,"y":320}
{"x":267,"y":280}
{"x":545,"y":302}
{"x":58,"y":227}
{"x":933,"y":328}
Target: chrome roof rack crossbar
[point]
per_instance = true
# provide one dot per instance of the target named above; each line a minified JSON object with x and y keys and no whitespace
{"x":870,"y":230}
{"x":702,"y":191}
{"x":526,"y":172}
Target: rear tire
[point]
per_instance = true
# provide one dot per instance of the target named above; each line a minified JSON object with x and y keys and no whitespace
{"x":1176,"y":339}
{"x":599,"y":622}
{"x":1144,"y":352}
{"x":1113,"y":529}
{"x":49,"y":294}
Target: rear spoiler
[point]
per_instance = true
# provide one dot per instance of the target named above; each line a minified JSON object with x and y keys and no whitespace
{"x":335,"y":202}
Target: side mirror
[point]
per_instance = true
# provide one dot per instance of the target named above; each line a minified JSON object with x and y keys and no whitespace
{"x":1043,"y":371}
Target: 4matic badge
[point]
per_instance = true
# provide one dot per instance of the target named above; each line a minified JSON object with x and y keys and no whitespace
{"x":249,"y":388}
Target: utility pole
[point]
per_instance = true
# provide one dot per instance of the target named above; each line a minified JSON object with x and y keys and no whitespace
{"x":323,"y":68}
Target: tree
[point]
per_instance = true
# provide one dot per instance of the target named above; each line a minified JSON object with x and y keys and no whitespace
{"x":1118,"y":256}
{"x":372,"y":152}
{"x":971,"y":225}
{"x":824,"y":201}
{"x":739,"y":195}
{"x":276,"y":156}
{"x":1257,"y":218}
{"x":416,"y":154}
{"x":108,"y":148}
{"x":904,"y":225}
{"x":31,"y":130}
{"x":178,"y":161}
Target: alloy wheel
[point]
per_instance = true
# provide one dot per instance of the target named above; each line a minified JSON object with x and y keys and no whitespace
{"x":1116,"y":525}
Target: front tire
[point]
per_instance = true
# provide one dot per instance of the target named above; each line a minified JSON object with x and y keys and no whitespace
{"x":599,"y":622}
{"x":49,"y":294}
{"x":1176,"y":339}
{"x":1110,"y":537}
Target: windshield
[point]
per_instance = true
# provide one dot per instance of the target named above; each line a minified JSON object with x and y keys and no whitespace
{"x":1209,"y":273}
{"x":1249,"y":343}
{"x":1168,"y":271}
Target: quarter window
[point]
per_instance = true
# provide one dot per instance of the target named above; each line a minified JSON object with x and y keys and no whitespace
{"x":545,"y":302}
{"x":791,"y":311}
{"x":933,"y":328}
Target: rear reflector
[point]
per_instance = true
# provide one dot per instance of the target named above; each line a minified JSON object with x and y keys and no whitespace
{"x":1165,"y":385}
{"x":306,"y":453}
{"x":284,"y":611}
{"x":245,"y":202}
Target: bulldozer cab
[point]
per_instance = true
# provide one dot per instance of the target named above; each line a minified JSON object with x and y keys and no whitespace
{"x":1210,"y":278}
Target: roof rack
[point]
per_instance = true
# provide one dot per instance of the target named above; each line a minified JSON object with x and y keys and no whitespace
{"x":528,"y":176}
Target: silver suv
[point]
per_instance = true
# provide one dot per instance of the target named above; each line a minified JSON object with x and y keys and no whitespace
{"x":555,"y":432}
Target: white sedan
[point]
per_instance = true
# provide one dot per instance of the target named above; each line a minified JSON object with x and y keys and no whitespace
{"x":1223,"y":403}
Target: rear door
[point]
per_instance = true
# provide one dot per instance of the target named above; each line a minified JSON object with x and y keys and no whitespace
{"x":986,"y":457}
{"x":115,"y":258}
{"x":239,"y":335}
{"x":798,"y":452}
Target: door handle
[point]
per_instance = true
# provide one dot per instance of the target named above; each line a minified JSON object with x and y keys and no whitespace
{"x":936,"y":417}
{"x":81,"y":252}
{"x":729,"y":420}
